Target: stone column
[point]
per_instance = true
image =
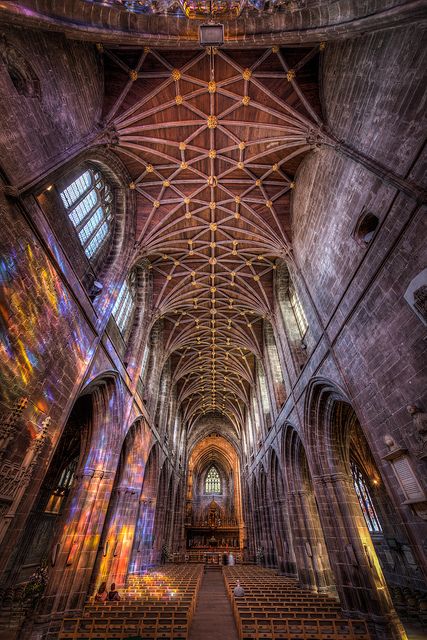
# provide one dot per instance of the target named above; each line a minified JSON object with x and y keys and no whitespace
{"x":76,"y":546}
{"x":121,"y":535}
{"x":358,"y":576}
{"x":284,"y":547}
{"x":142,"y":551}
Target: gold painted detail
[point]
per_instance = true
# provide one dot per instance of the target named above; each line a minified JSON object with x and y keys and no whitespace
{"x":176,"y":74}
{"x":247,"y":73}
{"x":212,"y":122}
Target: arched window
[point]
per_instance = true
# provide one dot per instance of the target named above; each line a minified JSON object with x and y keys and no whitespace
{"x":213,"y":481}
{"x":265,"y":397}
{"x":125,"y":304}
{"x":62,"y":488}
{"x":365,"y":500}
{"x":88,"y":202}
{"x":298,"y":310}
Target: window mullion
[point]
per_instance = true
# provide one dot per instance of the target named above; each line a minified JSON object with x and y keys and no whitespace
{"x":94,"y":231}
{"x":89,"y":214}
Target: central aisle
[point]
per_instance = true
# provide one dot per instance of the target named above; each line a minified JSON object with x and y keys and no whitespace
{"x":213,"y":618}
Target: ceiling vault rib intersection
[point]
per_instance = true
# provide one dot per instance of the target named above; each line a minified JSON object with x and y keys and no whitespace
{"x":212,"y":141}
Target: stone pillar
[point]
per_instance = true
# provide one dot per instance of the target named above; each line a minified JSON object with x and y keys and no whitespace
{"x":358,"y":576}
{"x":76,"y":546}
{"x":302,"y":540}
{"x":142,"y":548}
{"x":284,"y":546}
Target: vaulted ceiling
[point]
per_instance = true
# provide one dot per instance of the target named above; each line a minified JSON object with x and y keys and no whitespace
{"x":213,"y":141}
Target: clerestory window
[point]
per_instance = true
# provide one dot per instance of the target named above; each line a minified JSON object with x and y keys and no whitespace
{"x":298,"y":310}
{"x":88,"y":201}
{"x":125,"y":304}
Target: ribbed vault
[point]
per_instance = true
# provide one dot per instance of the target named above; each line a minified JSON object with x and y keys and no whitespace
{"x":212,"y":140}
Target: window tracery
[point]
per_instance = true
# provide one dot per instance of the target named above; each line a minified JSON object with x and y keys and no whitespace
{"x":125,"y":304}
{"x":88,"y":201}
{"x":298,"y":310}
{"x":62,"y":488}
{"x":365,"y":500}
{"x":213,"y":481}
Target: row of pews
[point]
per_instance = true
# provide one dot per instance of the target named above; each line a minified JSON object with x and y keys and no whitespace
{"x":276,"y":608}
{"x":156,"y":605}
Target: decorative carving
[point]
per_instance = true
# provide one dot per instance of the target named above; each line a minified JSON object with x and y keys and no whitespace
{"x":10,"y":425}
{"x":405,"y":475}
{"x":11,"y":475}
{"x":20,"y":71}
{"x":212,"y":122}
{"x":198,"y":9}
{"x":419,"y":419}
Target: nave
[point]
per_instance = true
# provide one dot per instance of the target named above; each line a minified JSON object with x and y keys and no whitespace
{"x":188,"y":602}
{"x":213,"y":313}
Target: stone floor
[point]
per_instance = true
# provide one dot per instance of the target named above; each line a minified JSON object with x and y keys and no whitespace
{"x":213,"y":618}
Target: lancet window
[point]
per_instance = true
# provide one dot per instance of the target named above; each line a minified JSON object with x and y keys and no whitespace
{"x":125,"y":304}
{"x":365,"y":500}
{"x":298,"y":310}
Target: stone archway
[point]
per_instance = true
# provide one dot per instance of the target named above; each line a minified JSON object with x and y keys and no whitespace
{"x":358,"y":575}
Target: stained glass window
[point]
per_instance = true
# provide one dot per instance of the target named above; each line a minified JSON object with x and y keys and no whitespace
{"x":213,"y":481}
{"x":88,"y":201}
{"x":365,"y":500}
{"x":124,"y":305}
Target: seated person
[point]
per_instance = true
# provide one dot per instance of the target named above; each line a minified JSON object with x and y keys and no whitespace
{"x":239,"y":591}
{"x":102,"y":593}
{"x":113,"y":595}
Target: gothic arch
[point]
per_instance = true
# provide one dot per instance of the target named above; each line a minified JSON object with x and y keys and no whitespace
{"x":330,"y":421}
